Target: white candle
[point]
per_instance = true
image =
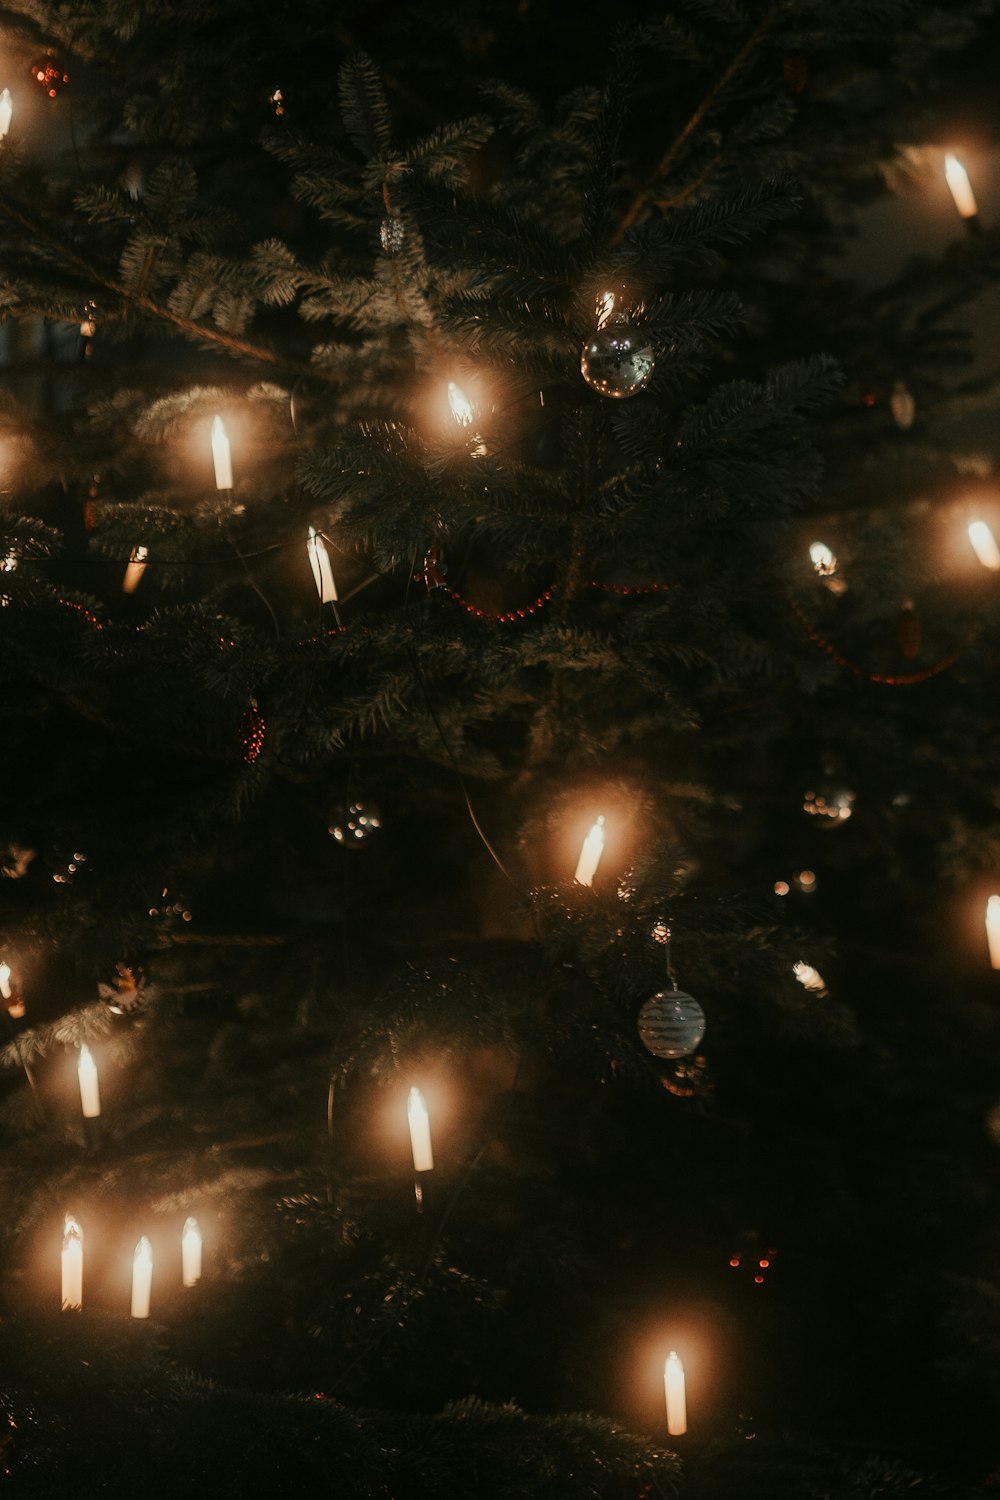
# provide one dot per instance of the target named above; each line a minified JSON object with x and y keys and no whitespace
{"x":90,"y":1093}
{"x":5,"y":990}
{"x":134,"y":571}
{"x":221,"y":456}
{"x":322,"y":571}
{"x":420,"y":1132}
{"x":72,"y":1263}
{"x":993,"y":930}
{"x":673,"y":1383}
{"x":822,"y":559}
{"x":605,"y":307}
{"x":6,"y":112}
{"x":461,"y":406}
{"x":957,"y":179}
{"x":984,"y":545}
{"x":590,"y":855}
{"x":142,"y":1278}
{"x":190,"y":1253}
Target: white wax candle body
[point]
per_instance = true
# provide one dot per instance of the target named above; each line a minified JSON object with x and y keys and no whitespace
{"x":142,"y":1278}
{"x":673,"y":1382}
{"x":72,"y":1264}
{"x":6,"y":112}
{"x":984,"y":545}
{"x":90,"y":1091}
{"x":590,"y":855}
{"x":420,"y":1132}
{"x":322,"y":570}
{"x":221,"y":456}
{"x":961,"y":188}
{"x":191,"y":1253}
{"x":993,"y":930}
{"x":5,"y":990}
{"x":134,"y":571}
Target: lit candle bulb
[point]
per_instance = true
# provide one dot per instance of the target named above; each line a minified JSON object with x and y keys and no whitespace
{"x":810,"y":978}
{"x":134,"y":571}
{"x":221,"y":456}
{"x":605,"y":307}
{"x":72,"y":1263}
{"x":957,"y":179}
{"x":993,"y":930}
{"x":142,"y":1278}
{"x":6,"y":112}
{"x":5,"y":989}
{"x":190,"y":1253}
{"x":461,"y":406}
{"x":984,"y":545}
{"x":673,"y":1383}
{"x":322,"y":571}
{"x":90,"y":1093}
{"x":420,"y":1132}
{"x":822,"y":559}
{"x":590,"y":854}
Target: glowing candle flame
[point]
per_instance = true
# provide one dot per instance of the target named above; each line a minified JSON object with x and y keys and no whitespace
{"x":72,"y":1263}
{"x":810,"y":978}
{"x":221,"y":456}
{"x":590,"y":854}
{"x":90,"y":1093}
{"x":673,"y":1382}
{"x":142,"y":1278}
{"x":605,"y":307}
{"x":822,"y":559}
{"x":984,"y":545}
{"x":190,"y":1253}
{"x":461,"y":407}
{"x":993,"y":930}
{"x":957,"y":179}
{"x":322,"y":571}
{"x":420,"y":1132}
{"x":6,"y":112}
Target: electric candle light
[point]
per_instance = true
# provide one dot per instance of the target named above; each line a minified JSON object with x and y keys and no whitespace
{"x":322,"y":571}
{"x":221,"y":456}
{"x":420,"y":1132}
{"x":90,"y":1093}
{"x":72,"y":1263}
{"x":6,"y":112}
{"x":134,"y":571}
{"x":605,"y":307}
{"x":984,"y":545}
{"x":822,"y":559}
{"x":142,"y":1278}
{"x":993,"y":930}
{"x":461,"y":406}
{"x":809,"y":978}
{"x":957,"y":179}
{"x":673,"y":1383}
{"x":590,"y":854}
{"x":190,"y":1253}
{"x":5,"y":989}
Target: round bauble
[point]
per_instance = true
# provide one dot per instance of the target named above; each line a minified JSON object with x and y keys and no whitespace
{"x":671,"y":1024}
{"x":616,"y":361}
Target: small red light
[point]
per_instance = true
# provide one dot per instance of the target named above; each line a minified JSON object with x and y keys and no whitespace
{"x":735,"y":1261}
{"x":764,"y":1263}
{"x":759,"y":1280}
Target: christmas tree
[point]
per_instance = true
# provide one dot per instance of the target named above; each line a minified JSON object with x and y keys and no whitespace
{"x":499,"y":618}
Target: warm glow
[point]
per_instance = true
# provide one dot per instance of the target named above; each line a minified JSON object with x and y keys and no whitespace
{"x":142,"y":1278}
{"x":837,"y":806}
{"x":806,"y":881}
{"x":5,"y":990}
{"x":957,"y":179}
{"x":221,"y":456}
{"x":605,"y":307}
{"x":809,"y":978}
{"x":134,"y":571}
{"x":673,"y":1383}
{"x":461,"y":407}
{"x":322,"y":570}
{"x":190,"y":1253}
{"x":993,"y":930}
{"x":90,"y":1093}
{"x":984,"y":545}
{"x":781,"y":887}
{"x":590,"y":854}
{"x":72,"y":1263}
{"x":822,"y":559}
{"x":6,"y":112}
{"x":420,"y":1132}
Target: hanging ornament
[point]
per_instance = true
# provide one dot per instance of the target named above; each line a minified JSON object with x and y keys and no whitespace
{"x":124,"y":994}
{"x":392,"y":234}
{"x":252,"y":731}
{"x":902,"y":405}
{"x":796,"y":72}
{"x":361,"y":819}
{"x":671,"y":1024}
{"x":687,"y":1077}
{"x":616,"y":361}
{"x":434,"y":571}
{"x":908,"y":630}
{"x":49,"y":74}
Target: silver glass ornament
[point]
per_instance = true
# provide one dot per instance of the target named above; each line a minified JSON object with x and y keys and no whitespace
{"x":616,"y":361}
{"x":671,"y":1024}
